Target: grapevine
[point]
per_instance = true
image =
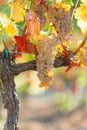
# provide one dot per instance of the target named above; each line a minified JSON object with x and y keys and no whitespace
{"x":43,"y":29}
{"x":59,"y":13}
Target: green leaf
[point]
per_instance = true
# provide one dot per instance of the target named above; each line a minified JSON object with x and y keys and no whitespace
{"x":5,"y":8}
{"x":20,"y":26}
{"x":49,"y":28}
{"x":28,"y":4}
{"x":34,"y":41}
{"x":49,"y":2}
{"x":2,"y":29}
{"x":70,"y":2}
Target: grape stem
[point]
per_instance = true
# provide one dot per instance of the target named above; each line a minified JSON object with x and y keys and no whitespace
{"x":74,"y":8}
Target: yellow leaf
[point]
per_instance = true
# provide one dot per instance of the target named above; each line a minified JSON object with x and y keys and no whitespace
{"x":17,"y":12}
{"x":65,"y":6}
{"x":11,"y":30}
{"x":83,"y":25}
{"x":81,"y":12}
{"x":84,"y":1}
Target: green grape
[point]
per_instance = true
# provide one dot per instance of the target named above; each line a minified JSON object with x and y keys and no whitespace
{"x":62,"y":22}
{"x":47,"y":51}
{"x":40,"y":12}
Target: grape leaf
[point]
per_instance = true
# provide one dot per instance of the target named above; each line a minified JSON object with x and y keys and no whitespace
{"x":81,"y":12}
{"x":32,"y":24}
{"x":24,"y":45}
{"x":49,"y":2}
{"x":84,"y":1}
{"x":69,"y":2}
{"x":5,"y":8}
{"x":17,"y":12}
{"x":11,"y":30}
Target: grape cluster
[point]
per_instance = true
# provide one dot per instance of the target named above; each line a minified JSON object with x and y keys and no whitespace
{"x":40,"y":12}
{"x":47,"y":50}
{"x":47,"y":45}
{"x":60,"y":17}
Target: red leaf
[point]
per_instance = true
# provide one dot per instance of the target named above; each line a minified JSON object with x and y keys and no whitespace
{"x":19,"y":43}
{"x":24,"y":45}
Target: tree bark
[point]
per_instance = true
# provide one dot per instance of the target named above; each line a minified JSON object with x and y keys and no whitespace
{"x":10,"y":100}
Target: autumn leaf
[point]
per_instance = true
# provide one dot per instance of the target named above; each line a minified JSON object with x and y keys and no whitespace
{"x":24,"y":45}
{"x":2,"y":2}
{"x":32,"y":24}
{"x":11,"y":30}
{"x":9,"y":26}
{"x":17,"y":12}
{"x":81,"y":12}
{"x":84,"y":1}
{"x":83,"y":26}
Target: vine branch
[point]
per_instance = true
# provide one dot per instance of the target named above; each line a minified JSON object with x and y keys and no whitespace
{"x":31,"y":65}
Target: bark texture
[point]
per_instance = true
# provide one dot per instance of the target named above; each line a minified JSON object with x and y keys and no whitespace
{"x":31,"y":65}
{"x":10,"y":100}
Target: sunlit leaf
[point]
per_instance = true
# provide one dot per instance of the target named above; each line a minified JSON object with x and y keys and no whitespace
{"x":49,"y":2}
{"x":81,"y":12}
{"x":33,"y":24}
{"x":11,"y":30}
{"x":5,"y":8}
{"x":84,"y":1}
{"x":17,"y":12}
{"x":2,"y":29}
{"x":24,"y":45}
{"x":70,"y":2}
{"x":83,"y":25}
{"x":49,"y":28}
{"x":28,"y":3}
